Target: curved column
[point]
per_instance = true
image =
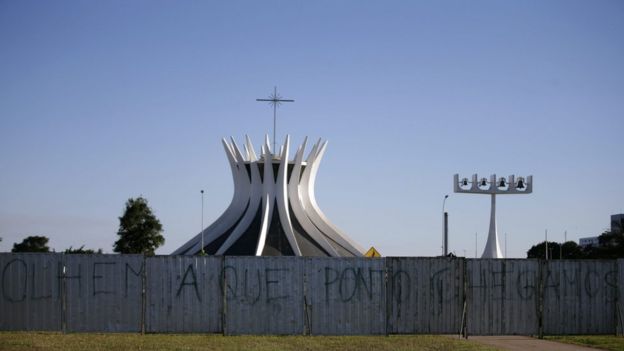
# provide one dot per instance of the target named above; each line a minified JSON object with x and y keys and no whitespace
{"x":250,"y":150}
{"x":281,"y":195}
{"x":267,"y":144}
{"x":312,"y":209}
{"x":268,"y":198}
{"x":303,"y":188}
{"x":255,"y":197}
{"x":297,"y":207}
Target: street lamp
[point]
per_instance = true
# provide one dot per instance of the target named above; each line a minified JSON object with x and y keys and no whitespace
{"x":444,"y":227}
{"x":476,"y":244}
{"x":546,"y":243}
{"x":202,"y":252}
{"x":493,"y":187}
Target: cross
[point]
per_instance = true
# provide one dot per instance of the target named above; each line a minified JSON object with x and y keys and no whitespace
{"x":275,"y":99}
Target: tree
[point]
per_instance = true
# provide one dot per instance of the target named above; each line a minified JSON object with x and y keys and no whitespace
{"x":539,"y":250}
{"x":611,"y":245}
{"x":81,"y":250}
{"x":139,"y":230}
{"x":569,"y":250}
{"x":32,"y":244}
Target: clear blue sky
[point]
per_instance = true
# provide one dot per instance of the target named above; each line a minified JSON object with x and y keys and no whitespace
{"x":105,"y":100}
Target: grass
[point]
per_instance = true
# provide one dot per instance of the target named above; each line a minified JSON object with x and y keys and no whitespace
{"x":14,"y":341}
{"x":605,"y":342}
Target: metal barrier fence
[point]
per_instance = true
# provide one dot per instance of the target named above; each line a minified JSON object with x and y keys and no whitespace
{"x":310,"y":296}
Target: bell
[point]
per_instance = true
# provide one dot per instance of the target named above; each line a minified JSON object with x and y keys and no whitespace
{"x":464,"y":182}
{"x":483,"y":181}
{"x":502,"y":183}
{"x":520,"y":183}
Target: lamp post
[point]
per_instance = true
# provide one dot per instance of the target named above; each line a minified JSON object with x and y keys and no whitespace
{"x":445,"y":227}
{"x":476,"y":244}
{"x":561,"y":247}
{"x":202,"y":252}
{"x":546,"y":242}
{"x":493,"y":187}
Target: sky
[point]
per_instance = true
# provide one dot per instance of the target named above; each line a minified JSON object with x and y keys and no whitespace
{"x":102,"y":101}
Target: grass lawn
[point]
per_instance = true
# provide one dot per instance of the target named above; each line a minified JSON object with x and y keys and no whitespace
{"x":605,"y":342}
{"x":93,"y":342}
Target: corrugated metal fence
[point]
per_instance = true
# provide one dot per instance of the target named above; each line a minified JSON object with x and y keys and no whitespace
{"x":310,"y":296}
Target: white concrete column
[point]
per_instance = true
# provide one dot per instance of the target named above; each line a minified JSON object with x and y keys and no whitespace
{"x":492,"y":247}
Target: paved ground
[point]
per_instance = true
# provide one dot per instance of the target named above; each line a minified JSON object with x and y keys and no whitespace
{"x":522,"y":343}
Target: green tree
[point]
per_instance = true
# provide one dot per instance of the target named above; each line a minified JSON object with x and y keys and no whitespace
{"x":81,"y":250}
{"x":139,"y":230}
{"x":539,"y":250}
{"x":32,"y":244}
{"x":556,"y":251}
{"x":611,"y":245}
{"x":571,"y":250}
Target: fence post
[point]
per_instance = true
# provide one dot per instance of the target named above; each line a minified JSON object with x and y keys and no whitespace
{"x":387,"y":295}
{"x":223,"y":296}
{"x":388,"y":292}
{"x":63,"y":297}
{"x":143,"y":293}
{"x":540,"y":297}
{"x":307,"y":324}
{"x":463,"y":329}
{"x":619,"y":326}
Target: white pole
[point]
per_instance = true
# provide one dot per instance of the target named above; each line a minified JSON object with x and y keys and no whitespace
{"x":492,"y":245}
{"x":444,"y":232}
{"x":546,"y":242}
{"x":475,"y":245}
{"x":202,"y":223}
{"x":561,"y":247}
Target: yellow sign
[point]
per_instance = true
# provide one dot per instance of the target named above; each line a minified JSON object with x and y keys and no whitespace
{"x":372,"y":252}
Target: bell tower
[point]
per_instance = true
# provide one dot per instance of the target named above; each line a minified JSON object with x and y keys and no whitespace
{"x":493,"y":187}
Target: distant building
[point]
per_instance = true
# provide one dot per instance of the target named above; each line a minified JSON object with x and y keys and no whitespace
{"x":617,"y":223}
{"x":617,"y":226}
{"x":589,"y":241}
